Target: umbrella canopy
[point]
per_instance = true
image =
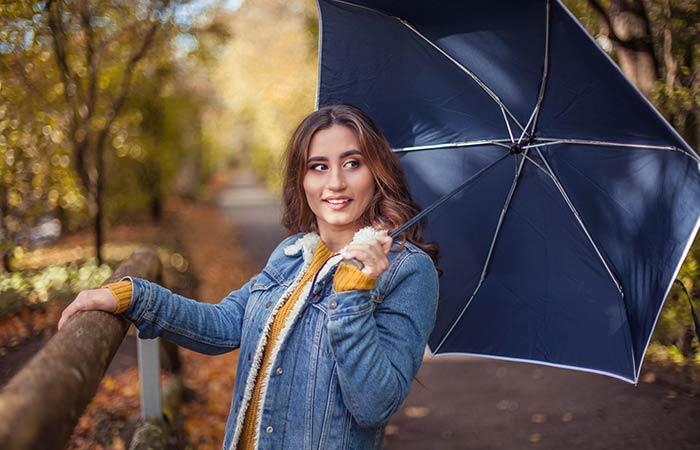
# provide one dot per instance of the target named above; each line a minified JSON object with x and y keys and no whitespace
{"x":566,"y":202}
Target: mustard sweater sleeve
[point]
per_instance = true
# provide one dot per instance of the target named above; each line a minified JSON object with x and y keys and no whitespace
{"x":122,"y":292}
{"x":348,"y":278}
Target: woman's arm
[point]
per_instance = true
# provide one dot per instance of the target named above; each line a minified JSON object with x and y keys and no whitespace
{"x":378,"y":350}
{"x":156,"y":311}
{"x":209,"y":328}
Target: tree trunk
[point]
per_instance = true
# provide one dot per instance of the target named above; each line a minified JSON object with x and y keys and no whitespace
{"x":670,"y":62}
{"x":187,"y":178}
{"x":694,"y":118}
{"x":633,"y":45}
{"x":99,"y":238}
{"x":627,"y":26}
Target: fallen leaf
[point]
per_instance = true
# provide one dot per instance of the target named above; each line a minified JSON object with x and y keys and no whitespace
{"x":535,"y":438}
{"x":538,"y":418}
{"x":649,"y":377}
{"x":416,"y":412}
{"x":391,"y":430}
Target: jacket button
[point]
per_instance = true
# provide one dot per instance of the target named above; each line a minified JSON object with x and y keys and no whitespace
{"x":280,"y":371}
{"x":268,"y":304}
{"x":248,"y":356}
{"x":332,"y":304}
{"x":269,"y":429}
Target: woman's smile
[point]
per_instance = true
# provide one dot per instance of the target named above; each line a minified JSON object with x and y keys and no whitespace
{"x":337,"y":204}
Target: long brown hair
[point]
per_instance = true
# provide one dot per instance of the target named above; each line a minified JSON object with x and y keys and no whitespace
{"x":392,"y":204}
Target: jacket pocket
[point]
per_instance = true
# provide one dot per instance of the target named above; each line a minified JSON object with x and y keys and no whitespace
{"x":262,"y":295}
{"x":264,"y":281}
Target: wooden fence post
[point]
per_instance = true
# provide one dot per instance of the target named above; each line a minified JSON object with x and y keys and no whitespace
{"x":40,"y":406}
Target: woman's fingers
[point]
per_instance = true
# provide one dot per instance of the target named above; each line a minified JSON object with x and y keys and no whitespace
{"x":89,"y":300}
{"x":366,"y":253}
{"x":67,"y":313}
{"x":77,"y":305}
{"x":385,"y":242}
{"x":372,"y":255}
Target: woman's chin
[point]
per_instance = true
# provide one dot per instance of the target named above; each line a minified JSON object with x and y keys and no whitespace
{"x":340,"y":220}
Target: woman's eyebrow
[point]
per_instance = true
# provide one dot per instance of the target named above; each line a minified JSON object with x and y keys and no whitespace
{"x":342,"y":155}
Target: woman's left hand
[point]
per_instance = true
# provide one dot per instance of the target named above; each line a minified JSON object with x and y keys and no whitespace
{"x":373,"y":254}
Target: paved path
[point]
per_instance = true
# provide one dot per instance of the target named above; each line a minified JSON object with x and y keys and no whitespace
{"x":478,"y":403}
{"x":484,"y":404}
{"x":256,"y":213}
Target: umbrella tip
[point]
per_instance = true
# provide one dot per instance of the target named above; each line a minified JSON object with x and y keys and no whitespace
{"x":516,"y":149}
{"x":519,"y":146}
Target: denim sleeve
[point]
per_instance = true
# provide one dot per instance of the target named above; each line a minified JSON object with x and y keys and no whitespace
{"x":379,"y":350}
{"x":206,"y":328}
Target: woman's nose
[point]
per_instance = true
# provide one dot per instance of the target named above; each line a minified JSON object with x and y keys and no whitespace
{"x":336,"y":181}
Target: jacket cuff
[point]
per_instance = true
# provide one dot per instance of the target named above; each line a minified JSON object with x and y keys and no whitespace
{"x":122,"y":292}
{"x":348,"y":278}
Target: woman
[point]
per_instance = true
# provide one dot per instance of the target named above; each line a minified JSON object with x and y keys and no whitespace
{"x":327,"y":350}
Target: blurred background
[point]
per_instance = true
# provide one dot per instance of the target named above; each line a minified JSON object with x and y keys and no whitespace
{"x":109,"y":110}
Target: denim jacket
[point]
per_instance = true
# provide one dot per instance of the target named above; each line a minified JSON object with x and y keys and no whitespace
{"x":342,"y":365}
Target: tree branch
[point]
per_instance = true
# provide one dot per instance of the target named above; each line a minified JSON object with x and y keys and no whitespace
{"x":606,"y":27}
{"x":59,"y":39}
{"x":112,"y":37}
{"x":80,"y":143}
{"x":669,"y":59}
{"x":126,"y":81}
{"x":90,"y":58}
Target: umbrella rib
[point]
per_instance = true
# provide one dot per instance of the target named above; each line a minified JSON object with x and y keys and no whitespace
{"x":394,"y":234}
{"x":488,"y":256}
{"x":590,"y":238}
{"x":553,"y":141}
{"x":510,"y":132}
{"x":545,"y":72}
{"x":471,"y":74}
{"x":499,"y":142}
{"x":615,"y":66}
{"x":319,"y":56}
{"x":580,"y":222}
{"x":538,"y":166}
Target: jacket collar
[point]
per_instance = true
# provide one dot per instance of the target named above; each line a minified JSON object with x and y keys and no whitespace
{"x":307,"y":243}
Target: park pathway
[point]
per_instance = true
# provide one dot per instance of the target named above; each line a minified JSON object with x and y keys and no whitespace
{"x":485,"y":404}
{"x":255,"y":212}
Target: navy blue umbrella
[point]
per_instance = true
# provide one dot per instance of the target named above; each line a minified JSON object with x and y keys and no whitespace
{"x":563,"y":203}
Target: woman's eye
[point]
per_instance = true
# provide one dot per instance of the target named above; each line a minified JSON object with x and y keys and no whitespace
{"x":319,"y":166}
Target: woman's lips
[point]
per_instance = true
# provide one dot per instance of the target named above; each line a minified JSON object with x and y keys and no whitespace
{"x":337,"y":206}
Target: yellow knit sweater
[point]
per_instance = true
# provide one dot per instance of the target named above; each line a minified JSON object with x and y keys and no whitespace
{"x":346,"y":278}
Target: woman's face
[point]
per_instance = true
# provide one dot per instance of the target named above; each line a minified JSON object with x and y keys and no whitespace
{"x":338,"y":184}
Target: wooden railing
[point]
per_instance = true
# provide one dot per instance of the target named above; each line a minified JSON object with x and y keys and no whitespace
{"x":42,"y":403}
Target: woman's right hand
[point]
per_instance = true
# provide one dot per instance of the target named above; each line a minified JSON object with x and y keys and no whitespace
{"x":88,"y":300}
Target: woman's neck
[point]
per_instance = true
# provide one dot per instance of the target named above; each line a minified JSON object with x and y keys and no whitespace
{"x":336,"y":240}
